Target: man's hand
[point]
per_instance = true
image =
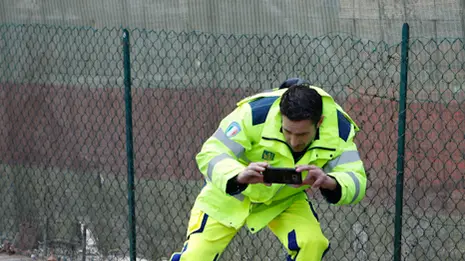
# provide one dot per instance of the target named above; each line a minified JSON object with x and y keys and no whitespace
{"x":252,"y":174}
{"x":317,"y":178}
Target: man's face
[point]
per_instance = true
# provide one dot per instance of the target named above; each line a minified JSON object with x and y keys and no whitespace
{"x":299,"y":134}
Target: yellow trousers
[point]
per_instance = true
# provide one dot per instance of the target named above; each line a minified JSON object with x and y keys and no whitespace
{"x":297,"y":228}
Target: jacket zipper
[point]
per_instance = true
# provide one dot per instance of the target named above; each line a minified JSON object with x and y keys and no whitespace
{"x":266,"y":138}
{"x":311,"y":148}
{"x":321,"y":148}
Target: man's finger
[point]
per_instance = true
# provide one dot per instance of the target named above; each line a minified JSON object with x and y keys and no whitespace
{"x":315,"y":172}
{"x":257,"y":168}
{"x":310,"y":175}
{"x":263,"y":164}
{"x":254,"y":177}
{"x":256,"y":174}
{"x":301,"y":168}
{"x":318,"y":182}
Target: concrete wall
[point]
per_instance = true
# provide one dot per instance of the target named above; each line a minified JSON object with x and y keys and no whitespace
{"x":368,"y":19}
{"x":75,"y":56}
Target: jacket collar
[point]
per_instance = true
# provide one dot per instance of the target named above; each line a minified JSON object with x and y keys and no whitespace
{"x":327,"y":136}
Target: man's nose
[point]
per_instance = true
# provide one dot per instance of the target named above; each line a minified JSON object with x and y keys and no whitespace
{"x":294,"y":141}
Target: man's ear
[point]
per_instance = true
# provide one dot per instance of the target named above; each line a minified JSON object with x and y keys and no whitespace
{"x":320,"y":121}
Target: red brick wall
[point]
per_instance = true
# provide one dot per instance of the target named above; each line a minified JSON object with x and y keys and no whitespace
{"x":84,"y":129}
{"x":434,"y":150}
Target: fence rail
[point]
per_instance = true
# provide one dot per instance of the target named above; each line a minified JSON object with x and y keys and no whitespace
{"x":64,"y":140}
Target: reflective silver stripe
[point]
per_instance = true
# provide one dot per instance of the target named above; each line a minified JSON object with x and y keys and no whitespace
{"x":357,"y":186}
{"x":345,"y":157}
{"x":214,"y":161}
{"x":239,"y":196}
{"x":235,"y":147}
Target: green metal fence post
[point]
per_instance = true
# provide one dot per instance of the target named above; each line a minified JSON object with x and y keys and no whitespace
{"x":129,"y":145}
{"x":401,"y":142}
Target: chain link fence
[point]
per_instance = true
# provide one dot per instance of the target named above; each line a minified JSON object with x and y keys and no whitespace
{"x":64,"y":180}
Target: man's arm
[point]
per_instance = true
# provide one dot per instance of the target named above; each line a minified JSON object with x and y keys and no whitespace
{"x":233,"y":186}
{"x":252,"y":174}
{"x":318,"y":179}
{"x":332,"y":195}
{"x":222,"y":156}
{"x":348,"y":171}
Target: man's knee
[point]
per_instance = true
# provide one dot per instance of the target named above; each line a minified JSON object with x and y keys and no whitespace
{"x":313,"y":241}
{"x":207,"y":238}
{"x":307,"y":242}
{"x":201,"y":247}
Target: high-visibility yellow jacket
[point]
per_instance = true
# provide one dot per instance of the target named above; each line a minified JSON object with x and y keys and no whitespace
{"x":252,"y":133}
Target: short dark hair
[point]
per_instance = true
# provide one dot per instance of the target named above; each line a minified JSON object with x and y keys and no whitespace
{"x":293,"y":81}
{"x":300,"y":102}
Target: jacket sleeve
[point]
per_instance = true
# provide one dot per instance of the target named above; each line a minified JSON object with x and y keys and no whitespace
{"x":348,"y":171}
{"x":222,"y":155}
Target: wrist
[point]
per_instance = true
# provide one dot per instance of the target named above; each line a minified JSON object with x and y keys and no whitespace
{"x":332,"y":184}
{"x":234,"y":187}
